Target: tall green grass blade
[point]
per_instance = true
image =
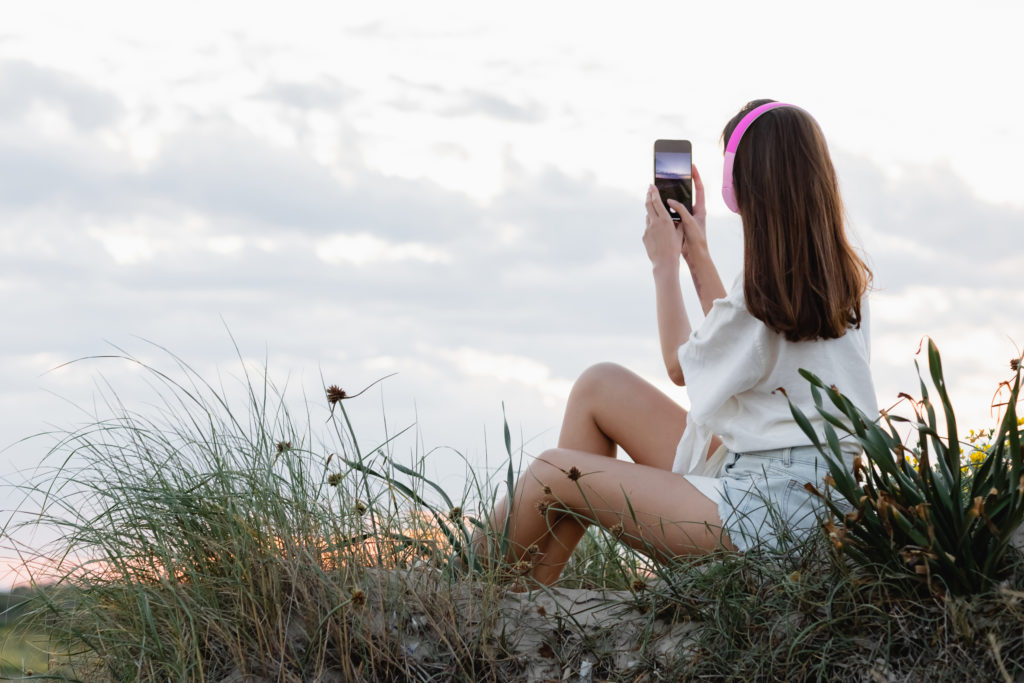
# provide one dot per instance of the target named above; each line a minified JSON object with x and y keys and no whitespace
{"x":424,"y":480}
{"x":510,"y":488}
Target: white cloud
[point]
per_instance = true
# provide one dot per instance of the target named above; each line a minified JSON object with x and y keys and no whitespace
{"x":60,"y":100}
{"x":363,"y":249}
{"x":146,"y":237}
{"x":505,"y":368}
{"x":125,"y":248}
{"x":232,"y":244}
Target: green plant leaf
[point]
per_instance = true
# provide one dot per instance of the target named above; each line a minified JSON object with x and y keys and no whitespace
{"x":953,"y":441}
{"x":805,"y":424}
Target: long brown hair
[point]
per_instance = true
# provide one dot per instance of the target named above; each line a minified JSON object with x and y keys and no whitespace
{"x":801,"y":277}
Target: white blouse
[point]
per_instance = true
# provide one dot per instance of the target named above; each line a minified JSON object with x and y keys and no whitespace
{"x":732,"y":365}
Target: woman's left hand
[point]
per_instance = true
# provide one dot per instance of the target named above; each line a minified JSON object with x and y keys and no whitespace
{"x":693,"y":225}
{"x":663,"y":238}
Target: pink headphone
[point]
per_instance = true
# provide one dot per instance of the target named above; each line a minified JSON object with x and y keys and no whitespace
{"x":728,"y":194}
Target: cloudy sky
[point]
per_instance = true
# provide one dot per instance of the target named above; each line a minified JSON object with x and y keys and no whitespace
{"x":455,"y":194}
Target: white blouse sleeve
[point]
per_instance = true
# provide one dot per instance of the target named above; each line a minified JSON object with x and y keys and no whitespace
{"x":725,"y":356}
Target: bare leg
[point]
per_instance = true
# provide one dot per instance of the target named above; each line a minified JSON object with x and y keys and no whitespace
{"x":608,"y":405}
{"x":661,"y":514}
{"x":611,"y":405}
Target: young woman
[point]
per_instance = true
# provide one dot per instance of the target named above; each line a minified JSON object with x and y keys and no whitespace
{"x":731,"y":471}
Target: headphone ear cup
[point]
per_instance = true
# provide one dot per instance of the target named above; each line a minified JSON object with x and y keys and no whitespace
{"x":729,"y":195}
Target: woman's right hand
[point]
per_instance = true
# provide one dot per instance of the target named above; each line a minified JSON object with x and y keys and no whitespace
{"x":663,"y":239}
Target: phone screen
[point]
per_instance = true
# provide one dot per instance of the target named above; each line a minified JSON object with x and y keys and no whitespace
{"x":673,"y":175}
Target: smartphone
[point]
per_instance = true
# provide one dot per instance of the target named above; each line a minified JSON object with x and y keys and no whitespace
{"x":673,"y":173}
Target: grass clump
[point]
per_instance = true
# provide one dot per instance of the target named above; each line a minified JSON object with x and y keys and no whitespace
{"x":805,"y":615}
{"x":205,"y":539}
{"x":917,"y":509}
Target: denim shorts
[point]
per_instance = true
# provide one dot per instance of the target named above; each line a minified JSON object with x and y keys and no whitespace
{"x":763,"y":499}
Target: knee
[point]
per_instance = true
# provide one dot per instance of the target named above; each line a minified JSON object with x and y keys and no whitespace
{"x":548,"y":470}
{"x":549,"y":461}
{"x":596,"y":379}
{"x":548,"y":477}
{"x":556,"y":471}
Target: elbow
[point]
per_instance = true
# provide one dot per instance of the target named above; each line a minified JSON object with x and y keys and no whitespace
{"x":675,"y":373}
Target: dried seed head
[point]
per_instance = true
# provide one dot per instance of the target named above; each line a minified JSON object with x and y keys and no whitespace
{"x":616,"y":530}
{"x":547,"y":490}
{"x":455,"y":514}
{"x":1015,"y":364}
{"x":977,"y":507}
{"x":359,"y":508}
{"x":835,"y":534}
{"x":533,"y":550}
{"x":334,"y":479}
{"x":357,"y":597}
{"x":574,"y":473}
{"x":522,"y":568}
{"x":335,"y":394}
{"x":283,"y":446}
{"x":813,"y":490}
{"x":543,"y":506}
{"x":638,"y":585}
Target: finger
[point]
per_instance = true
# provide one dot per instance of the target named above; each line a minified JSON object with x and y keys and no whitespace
{"x":659,"y":204}
{"x":678,"y":206}
{"x":652,"y":199}
{"x":654,"y":205}
{"x":685,"y":217}
{"x":698,"y":194}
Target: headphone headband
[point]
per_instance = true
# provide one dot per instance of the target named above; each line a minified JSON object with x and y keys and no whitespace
{"x":728,"y":194}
